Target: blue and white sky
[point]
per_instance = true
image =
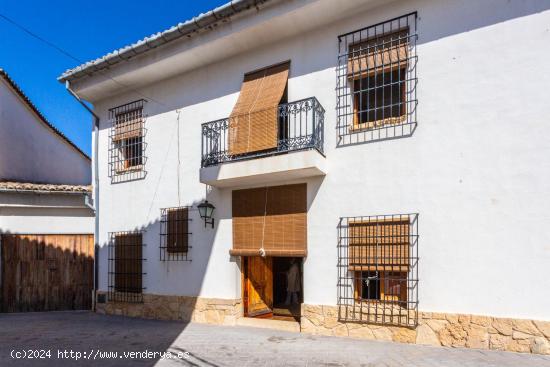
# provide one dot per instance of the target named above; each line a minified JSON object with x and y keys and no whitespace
{"x":86,"y":30}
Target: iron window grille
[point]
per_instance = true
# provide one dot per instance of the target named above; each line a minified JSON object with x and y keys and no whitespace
{"x":378,"y":269}
{"x":125,"y":266}
{"x":376,"y":82}
{"x":301,"y":127}
{"x":174,"y":234}
{"x":127,"y":145}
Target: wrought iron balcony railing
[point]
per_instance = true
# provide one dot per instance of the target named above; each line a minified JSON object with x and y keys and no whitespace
{"x":300,"y":127}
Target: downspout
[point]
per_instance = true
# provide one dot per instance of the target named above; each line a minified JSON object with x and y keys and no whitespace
{"x":95,"y":175}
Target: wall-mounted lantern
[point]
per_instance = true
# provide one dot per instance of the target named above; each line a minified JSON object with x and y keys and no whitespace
{"x":205,"y":211}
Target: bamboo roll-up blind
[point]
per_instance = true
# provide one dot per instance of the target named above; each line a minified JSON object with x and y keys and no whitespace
{"x":253,"y":123}
{"x":379,"y":245}
{"x":273,"y":218}
{"x":377,"y":54}
{"x":128,"y":124}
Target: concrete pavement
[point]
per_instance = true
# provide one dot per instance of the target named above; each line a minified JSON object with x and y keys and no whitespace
{"x":88,"y":339}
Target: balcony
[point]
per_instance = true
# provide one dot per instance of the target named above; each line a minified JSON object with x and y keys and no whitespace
{"x":298,"y":154}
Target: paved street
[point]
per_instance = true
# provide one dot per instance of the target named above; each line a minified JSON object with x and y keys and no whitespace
{"x":88,"y":336}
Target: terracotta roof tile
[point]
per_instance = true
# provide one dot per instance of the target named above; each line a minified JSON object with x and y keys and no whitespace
{"x":29,"y":186}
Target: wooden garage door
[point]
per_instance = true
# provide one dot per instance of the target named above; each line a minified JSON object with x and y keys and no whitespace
{"x":46,"y":272}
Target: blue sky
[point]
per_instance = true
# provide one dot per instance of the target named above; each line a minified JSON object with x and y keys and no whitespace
{"x":85,"y":29}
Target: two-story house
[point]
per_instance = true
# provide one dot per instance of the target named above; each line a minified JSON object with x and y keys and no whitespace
{"x":46,"y":215}
{"x":376,"y":168}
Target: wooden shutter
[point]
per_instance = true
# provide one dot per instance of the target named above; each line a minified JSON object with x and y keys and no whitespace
{"x":253,"y":123}
{"x":377,"y":54}
{"x":128,"y":267}
{"x":274,"y":218}
{"x":128,"y":124}
{"x":379,"y":245}
{"x":177,"y":230}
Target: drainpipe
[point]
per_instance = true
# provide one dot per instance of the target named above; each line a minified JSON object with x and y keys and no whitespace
{"x":95,"y":172}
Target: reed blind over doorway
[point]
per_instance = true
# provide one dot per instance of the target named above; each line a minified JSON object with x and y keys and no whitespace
{"x":270,"y":220}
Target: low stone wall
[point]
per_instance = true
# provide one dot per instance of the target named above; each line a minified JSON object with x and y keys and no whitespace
{"x":449,"y":330}
{"x":438,"y":329}
{"x":196,"y":309}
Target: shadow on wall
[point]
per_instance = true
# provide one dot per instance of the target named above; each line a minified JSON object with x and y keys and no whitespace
{"x":45,"y":212}
{"x":470,"y":16}
{"x":307,"y":58}
{"x":183,"y":277}
{"x":46,"y":272}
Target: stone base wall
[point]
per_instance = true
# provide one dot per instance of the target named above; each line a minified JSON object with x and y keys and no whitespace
{"x":195,"y":309}
{"x":438,"y":329}
{"x":449,"y":330}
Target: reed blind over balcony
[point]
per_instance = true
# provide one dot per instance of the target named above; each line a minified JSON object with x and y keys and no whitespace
{"x":253,"y":123}
{"x":270,"y":218}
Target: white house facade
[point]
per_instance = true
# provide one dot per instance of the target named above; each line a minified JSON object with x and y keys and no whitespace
{"x":45,"y":211}
{"x":388,"y":154}
{"x":44,"y":178}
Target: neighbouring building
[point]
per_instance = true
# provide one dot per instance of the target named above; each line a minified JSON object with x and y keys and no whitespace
{"x":46,"y":217}
{"x":378,"y":169}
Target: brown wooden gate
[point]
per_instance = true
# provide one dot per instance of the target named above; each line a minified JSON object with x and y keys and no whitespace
{"x":46,"y":272}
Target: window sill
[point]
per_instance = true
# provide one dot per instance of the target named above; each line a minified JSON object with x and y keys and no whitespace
{"x":377,"y":124}
{"x":120,"y":296}
{"x":120,"y":171}
{"x":178,"y":252}
{"x":394,"y":304}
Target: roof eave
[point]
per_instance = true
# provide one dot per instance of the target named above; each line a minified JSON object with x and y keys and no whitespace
{"x":35,"y":109}
{"x":186,"y":29}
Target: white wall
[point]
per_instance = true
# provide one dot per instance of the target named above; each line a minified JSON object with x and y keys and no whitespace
{"x":31,"y":213}
{"x":476,"y":169}
{"x":30,"y":151}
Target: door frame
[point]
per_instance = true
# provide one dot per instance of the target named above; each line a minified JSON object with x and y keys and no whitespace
{"x":244,"y":288}
{"x":245,"y":285}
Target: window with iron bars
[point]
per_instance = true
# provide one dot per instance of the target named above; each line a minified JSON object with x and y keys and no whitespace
{"x":174,"y":234}
{"x":378,"y":269}
{"x":127,"y":146}
{"x":376,"y":82}
{"x":125,"y":266}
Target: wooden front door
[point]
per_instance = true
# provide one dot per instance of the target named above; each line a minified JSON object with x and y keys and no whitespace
{"x":258,"y":286}
{"x":46,"y":272}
